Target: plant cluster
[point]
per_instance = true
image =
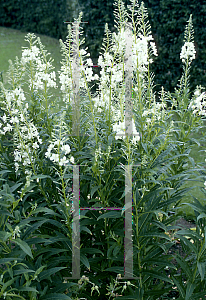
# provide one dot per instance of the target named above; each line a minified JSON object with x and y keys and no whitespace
{"x":39,"y":151}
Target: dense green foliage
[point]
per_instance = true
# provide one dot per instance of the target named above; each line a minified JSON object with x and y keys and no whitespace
{"x":37,"y":153}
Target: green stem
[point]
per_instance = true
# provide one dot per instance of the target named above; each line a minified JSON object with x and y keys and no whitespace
{"x":91,"y":106}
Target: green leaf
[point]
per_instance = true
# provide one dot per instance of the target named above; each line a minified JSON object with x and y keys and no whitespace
{"x":159,"y":262}
{"x":184,"y":265}
{"x":62,"y":287}
{"x":39,"y":270}
{"x":39,"y":177}
{"x":198,"y":296}
{"x":14,"y":296}
{"x":56,"y":296}
{"x":5,"y":285}
{"x":110,"y":214}
{"x":155,"y":275}
{"x":5,"y":213}
{"x":84,"y":228}
{"x":195,"y":207}
{"x":156,"y":234}
{"x":179,"y":286}
{"x":15,"y":187}
{"x":84,"y":260}
{"x":94,"y":189}
{"x":91,"y":251}
{"x":201,"y":216}
{"x":129,"y":297}
{"x":56,"y":239}
{"x":6,"y":260}
{"x":4,"y":236}
{"x":190,"y":245}
{"x":201,"y":269}
{"x":116,"y":250}
{"x":29,"y":188}
{"x":109,"y":251}
{"x":190,"y":289}
{"x":45,"y":210}
{"x":45,"y":274}
{"x":118,"y":270}
{"x":27,"y":289}
{"x":9,"y":227}
{"x":4,"y":171}
{"x":187,"y":233}
{"x":23,"y":271}
{"x":24,"y":246}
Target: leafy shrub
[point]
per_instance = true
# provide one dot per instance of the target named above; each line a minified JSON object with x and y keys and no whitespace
{"x":39,"y":152}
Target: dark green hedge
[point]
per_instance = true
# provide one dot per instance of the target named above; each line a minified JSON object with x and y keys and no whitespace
{"x":38,"y":16}
{"x":167,"y":19}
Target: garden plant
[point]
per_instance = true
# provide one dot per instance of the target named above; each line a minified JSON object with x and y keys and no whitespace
{"x":39,"y":150}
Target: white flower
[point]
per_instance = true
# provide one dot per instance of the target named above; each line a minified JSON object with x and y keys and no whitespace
{"x":16,"y":232}
{"x":101,"y":62}
{"x":82,"y":52}
{"x":42,"y":76}
{"x":7,"y":128}
{"x":26,"y":136}
{"x":135,"y":139}
{"x":197,"y":92}
{"x":72,"y":159}
{"x":17,"y":155}
{"x":66,"y":149}
{"x":35,"y":50}
{"x":51,"y":146}
{"x":9,"y":98}
{"x":89,"y":62}
{"x":54,"y":157}
{"x":141,"y":50}
{"x":66,"y":82}
{"x":35,"y":145}
{"x":198,"y":104}
{"x":188,"y":51}
{"x":119,"y":41}
{"x":108,"y":59}
{"x":26,"y":162}
{"x":14,"y":120}
{"x":95,"y":77}
{"x":120,"y":129}
{"x":148,"y":120}
{"x":98,"y":153}
{"x":117,"y":76}
{"x":89,"y":74}
{"x":28,"y":55}
{"x":22,"y":117}
{"x":16,"y":166}
{"x":154,"y":49}
{"x":63,"y":161}
{"x":4,"y":118}
{"x":53,"y":75}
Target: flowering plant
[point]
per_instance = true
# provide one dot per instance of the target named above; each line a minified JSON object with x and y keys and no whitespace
{"x":121,"y":125}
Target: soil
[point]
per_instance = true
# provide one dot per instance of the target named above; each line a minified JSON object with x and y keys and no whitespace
{"x":184,"y":224}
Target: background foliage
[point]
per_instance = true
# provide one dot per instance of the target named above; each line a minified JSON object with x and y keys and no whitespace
{"x":167,"y":19}
{"x":44,"y":17}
